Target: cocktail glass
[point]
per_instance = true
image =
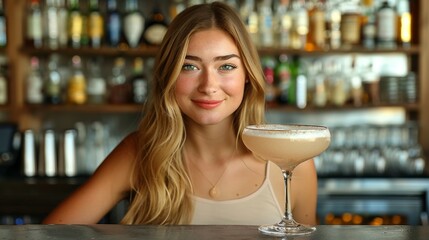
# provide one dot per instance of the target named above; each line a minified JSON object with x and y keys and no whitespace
{"x":287,"y":145}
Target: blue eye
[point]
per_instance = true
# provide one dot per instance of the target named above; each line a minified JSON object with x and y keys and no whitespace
{"x":189,"y":67}
{"x":227,"y":67}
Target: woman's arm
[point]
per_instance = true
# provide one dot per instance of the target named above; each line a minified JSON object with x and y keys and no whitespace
{"x":304,"y":193}
{"x":106,"y":187}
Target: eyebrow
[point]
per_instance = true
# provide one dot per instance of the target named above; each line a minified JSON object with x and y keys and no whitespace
{"x":219,"y":58}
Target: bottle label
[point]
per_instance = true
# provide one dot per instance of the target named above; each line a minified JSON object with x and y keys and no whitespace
{"x":96,"y":86}
{"x":155,"y":33}
{"x":386,"y":27}
{"x":75,"y":26}
{"x":34,"y":26}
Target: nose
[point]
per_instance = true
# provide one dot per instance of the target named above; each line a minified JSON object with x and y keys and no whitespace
{"x":208,"y":82}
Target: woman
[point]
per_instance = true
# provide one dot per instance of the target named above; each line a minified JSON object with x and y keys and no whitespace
{"x":186,"y":164}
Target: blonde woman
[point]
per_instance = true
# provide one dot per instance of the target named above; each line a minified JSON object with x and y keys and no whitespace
{"x":186,"y":163}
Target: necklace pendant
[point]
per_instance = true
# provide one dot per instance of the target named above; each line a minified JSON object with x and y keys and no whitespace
{"x":213,"y":192}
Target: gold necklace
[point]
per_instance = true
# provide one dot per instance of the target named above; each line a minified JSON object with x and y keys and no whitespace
{"x":213,"y":191}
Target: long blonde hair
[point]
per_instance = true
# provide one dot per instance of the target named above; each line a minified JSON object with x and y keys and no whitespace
{"x":161,"y":187}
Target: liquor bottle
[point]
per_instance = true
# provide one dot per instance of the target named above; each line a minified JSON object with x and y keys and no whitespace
{"x":34,"y":94}
{"x":301,"y":89}
{"x":250,"y":17}
{"x":299,"y":25}
{"x":283,"y":75}
{"x":96,"y":87}
{"x":52,"y":84}
{"x":84,"y":41}
{"x":356,"y":84}
{"x":34,"y":24}
{"x":50,"y":21}
{"x":133,"y":23}
{"x":3,"y":32}
{"x":95,"y":24}
{"x":404,"y":23}
{"x":3,"y":86}
{"x":120,"y":90}
{"x":76,"y":86}
{"x":75,"y":24}
{"x":292,"y":90}
{"x":316,"y":33}
{"x":156,"y":27}
{"x":194,"y":2}
{"x":176,"y":7}
{"x":113,"y":24}
{"x":270,"y":85}
{"x":282,"y":24}
{"x":139,"y":81}
{"x":62,"y":23}
{"x":333,"y":26}
{"x":319,"y":95}
{"x":266,"y":30}
{"x":368,"y":24}
{"x":386,"y":26}
{"x":350,"y":27}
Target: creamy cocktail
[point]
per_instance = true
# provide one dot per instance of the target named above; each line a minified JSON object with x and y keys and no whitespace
{"x":287,"y":146}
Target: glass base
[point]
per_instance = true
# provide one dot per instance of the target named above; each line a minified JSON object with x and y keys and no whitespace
{"x":286,"y":228}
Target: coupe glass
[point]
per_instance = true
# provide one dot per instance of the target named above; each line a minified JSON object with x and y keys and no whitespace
{"x":287,"y":145}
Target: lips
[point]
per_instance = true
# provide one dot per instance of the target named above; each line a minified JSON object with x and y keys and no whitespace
{"x":207,"y":104}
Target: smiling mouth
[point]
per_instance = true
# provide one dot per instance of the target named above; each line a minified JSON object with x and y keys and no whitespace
{"x":207,"y":104}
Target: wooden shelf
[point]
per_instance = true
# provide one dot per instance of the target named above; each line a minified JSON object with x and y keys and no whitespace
{"x":150,"y":51}
{"x":138,"y":108}
{"x":88,"y":108}
{"x":145,"y":51}
{"x":355,"y":50}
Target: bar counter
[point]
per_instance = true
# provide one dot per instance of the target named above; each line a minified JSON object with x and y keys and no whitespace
{"x":126,"y":232}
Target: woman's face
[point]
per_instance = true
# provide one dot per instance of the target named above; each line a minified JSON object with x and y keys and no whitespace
{"x":210,"y":86}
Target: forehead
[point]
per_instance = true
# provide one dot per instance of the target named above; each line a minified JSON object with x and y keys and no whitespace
{"x":212,"y":39}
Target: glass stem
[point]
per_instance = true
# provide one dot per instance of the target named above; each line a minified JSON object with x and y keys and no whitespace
{"x":287,"y":175}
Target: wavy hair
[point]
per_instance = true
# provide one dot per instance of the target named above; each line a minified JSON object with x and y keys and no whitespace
{"x":161,"y":187}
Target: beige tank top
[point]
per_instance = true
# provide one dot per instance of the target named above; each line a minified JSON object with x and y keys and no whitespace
{"x":260,"y":207}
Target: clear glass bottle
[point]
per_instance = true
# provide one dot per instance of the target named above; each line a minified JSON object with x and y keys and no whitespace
{"x":266,"y":29}
{"x":50,"y":20}
{"x":95,"y":24}
{"x":333,"y":26}
{"x":386,"y":26}
{"x":119,"y":89}
{"x":156,"y":27}
{"x":300,"y":24}
{"x":368,"y":24}
{"x":133,"y":24}
{"x":62,"y":23}
{"x":113,"y":24}
{"x":3,"y":32}
{"x":34,"y":24}
{"x":75,"y":24}
{"x":139,"y":81}
{"x":76,"y":85}
{"x":34,"y":93}
{"x":249,"y":15}
{"x":52,"y":86}
{"x":96,"y":87}
{"x":282,"y":25}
